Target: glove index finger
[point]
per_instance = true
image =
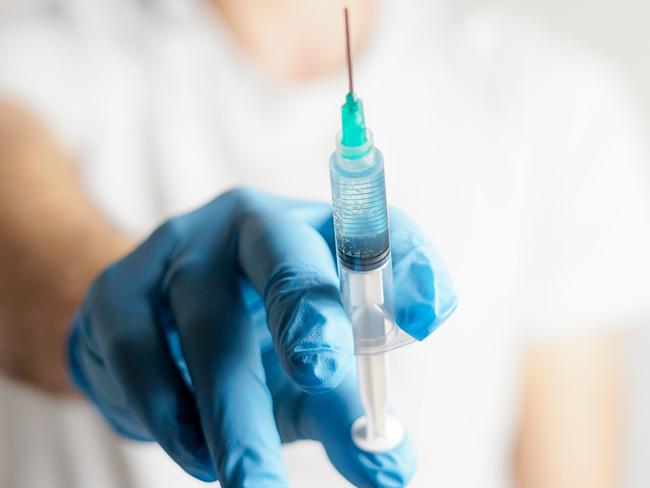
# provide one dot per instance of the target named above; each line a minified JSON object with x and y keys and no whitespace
{"x":291,"y":266}
{"x":224,"y":359}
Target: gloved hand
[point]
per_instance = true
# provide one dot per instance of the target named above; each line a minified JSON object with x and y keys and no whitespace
{"x":223,"y":335}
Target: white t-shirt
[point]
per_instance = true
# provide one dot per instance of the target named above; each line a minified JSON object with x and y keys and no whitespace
{"x":519,"y":157}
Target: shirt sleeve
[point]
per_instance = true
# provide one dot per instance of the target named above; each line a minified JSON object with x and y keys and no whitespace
{"x":43,"y":67}
{"x":586,"y":267}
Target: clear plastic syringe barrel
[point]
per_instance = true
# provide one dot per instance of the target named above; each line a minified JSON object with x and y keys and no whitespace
{"x":366,"y":277}
{"x":363,"y":247}
{"x":360,"y":214}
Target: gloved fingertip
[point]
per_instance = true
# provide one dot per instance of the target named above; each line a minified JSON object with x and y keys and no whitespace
{"x":394,"y":469}
{"x":196,"y":464}
{"x":313,"y":333}
{"x":426,"y":296}
{"x":391,"y":479}
{"x":196,"y":461}
{"x":201,"y":473}
{"x":390,"y":469}
{"x":419,"y":320}
{"x":318,"y":371}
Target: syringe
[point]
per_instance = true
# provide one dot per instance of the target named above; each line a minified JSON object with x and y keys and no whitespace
{"x":364,"y":264}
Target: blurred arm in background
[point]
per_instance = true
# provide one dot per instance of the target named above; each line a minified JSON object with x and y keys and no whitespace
{"x":570,"y":425}
{"x":584,"y":276}
{"x":52,"y":243}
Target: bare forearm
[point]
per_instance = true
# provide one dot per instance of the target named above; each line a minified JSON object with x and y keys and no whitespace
{"x":52,"y":243}
{"x":570,"y":433}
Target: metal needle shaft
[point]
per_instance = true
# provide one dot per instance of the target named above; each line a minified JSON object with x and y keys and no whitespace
{"x":348,"y":51}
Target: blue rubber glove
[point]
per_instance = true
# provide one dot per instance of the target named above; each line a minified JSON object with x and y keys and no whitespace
{"x":222,"y":336}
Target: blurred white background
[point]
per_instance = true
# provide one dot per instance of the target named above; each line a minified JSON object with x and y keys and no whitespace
{"x":618,"y":31}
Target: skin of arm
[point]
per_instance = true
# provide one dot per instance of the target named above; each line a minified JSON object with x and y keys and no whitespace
{"x":570,"y":423}
{"x":52,"y":243}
